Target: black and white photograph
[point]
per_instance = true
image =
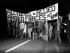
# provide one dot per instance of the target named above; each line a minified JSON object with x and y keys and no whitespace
{"x":41,"y":26}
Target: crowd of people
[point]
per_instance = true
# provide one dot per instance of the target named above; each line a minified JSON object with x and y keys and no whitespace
{"x":57,"y":29}
{"x":48,"y":29}
{"x":43,"y":28}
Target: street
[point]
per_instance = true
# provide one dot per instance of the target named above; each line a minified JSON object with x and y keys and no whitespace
{"x":17,"y":45}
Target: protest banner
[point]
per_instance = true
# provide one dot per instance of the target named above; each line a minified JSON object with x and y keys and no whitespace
{"x":52,"y":12}
{"x":49,"y":13}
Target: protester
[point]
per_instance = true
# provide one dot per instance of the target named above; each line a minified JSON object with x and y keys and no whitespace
{"x":21,"y":25}
{"x":40,"y":27}
{"x":58,"y":29}
{"x":68,"y":27}
{"x":50,"y":30}
{"x":35,"y":30}
{"x":29,"y":30}
{"x":25,"y":28}
{"x":46,"y":26}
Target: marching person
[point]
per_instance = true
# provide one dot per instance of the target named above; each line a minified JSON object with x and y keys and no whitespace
{"x":45,"y":31}
{"x":35,"y":30}
{"x":50,"y":30}
{"x":29,"y":30}
{"x":68,"y":27}
{"x":25,"y":28}
{"x":40,"y":26}
{"x":21,"y":25}
{"x":58,"y":30}
{"x":46,"y":25}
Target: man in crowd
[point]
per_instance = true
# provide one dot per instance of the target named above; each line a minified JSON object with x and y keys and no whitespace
{"x":25,"y":29}
{"x":29,"y":29}
{"x":21,"y":25}
{"x":50,"y":31}
{"x":50,"y":28}
{"x":40,"y":26}
{"x":35,"y":30}
{"x":58,"y":29}
{"x":46,"y":30}
{"x":68,"y":27}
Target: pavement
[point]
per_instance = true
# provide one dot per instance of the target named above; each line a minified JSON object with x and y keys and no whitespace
{"x":16,"y":45}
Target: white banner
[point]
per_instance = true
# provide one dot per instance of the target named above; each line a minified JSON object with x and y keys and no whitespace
{"x":49,"y":13}
{"x":52,"y":12}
